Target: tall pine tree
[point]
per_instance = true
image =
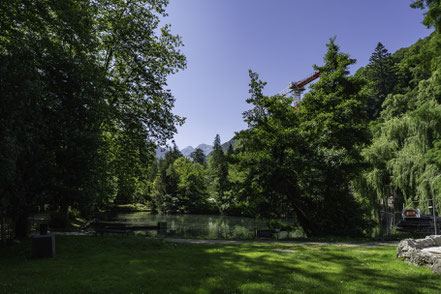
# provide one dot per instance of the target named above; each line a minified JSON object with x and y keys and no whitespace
{"x":333,"y":126}
{"x":381,"y":75}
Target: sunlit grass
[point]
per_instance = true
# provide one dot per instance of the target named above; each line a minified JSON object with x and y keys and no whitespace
{"x":138,"y":265}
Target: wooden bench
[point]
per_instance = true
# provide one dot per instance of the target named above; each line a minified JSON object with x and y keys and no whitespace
{"x":265,"y":233}
{"x":124,"y":229}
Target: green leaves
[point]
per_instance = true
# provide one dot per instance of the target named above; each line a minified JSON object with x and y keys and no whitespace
{"x":300,"y":159}
{"x":432,"y":17}
{"x":83,"y":99}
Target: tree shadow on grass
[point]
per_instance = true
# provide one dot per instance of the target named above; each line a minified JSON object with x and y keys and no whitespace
{"x":327,"y":270}
{"x":137,"y":265}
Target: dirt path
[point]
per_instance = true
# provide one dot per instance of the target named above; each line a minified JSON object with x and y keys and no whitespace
{"x":306,"y":243}
{"x":362,"y":244}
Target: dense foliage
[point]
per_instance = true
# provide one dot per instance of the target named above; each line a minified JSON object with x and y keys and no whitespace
{"x":84,"y":105}
{"x":403,"y":158}
{"x":82,"y":102}
{"x":299,"y":160}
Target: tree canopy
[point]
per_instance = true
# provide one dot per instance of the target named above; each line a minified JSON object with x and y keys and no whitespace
{"x":83,"y":101}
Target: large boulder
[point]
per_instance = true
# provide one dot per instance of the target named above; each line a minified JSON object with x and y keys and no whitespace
{"x":413,"y":251}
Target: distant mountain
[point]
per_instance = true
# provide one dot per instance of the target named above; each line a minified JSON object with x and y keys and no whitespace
{"x":226,"y":144}
{"x":160,"y":152}
{"x":187,"y":151}
{"x":206,"y":148}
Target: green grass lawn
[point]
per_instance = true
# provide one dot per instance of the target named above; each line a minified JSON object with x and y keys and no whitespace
{"x":87,"y":264}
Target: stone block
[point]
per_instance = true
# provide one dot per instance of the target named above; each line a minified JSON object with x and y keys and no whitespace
{"x":43,"y":246}
{"x":416,"y":252}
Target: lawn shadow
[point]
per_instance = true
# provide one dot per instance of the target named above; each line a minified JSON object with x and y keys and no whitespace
{"x":85,"y":264}
{"x":309,"y":269}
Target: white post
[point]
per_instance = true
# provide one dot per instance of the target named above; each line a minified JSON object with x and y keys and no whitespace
{"x":434,"y":216}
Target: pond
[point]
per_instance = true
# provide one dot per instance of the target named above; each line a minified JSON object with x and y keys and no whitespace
{"x":205,"y":226}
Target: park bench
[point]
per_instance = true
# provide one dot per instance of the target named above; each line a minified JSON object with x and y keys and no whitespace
{"x":265,"y":233}
{"x":125,"y":229}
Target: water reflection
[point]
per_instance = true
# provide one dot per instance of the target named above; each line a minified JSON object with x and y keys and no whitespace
{"x":204,"y":226}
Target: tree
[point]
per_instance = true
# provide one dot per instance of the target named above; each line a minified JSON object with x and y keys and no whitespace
{"x":198,"y":156}
{"x":219,"y":169}
{"x":137,"y":60}
{"x":53,"y":123}
{"x":404,"y":156}
{"x":333,"y":125}
{"x":192,"y":190}
{"x":180,"y":186}
{"x":165,"y":184}
{"x":269,"y":155}
{"x":92,"y":102}
{"x":432,"y":16}
{"x":300,"y":160}
{"x":230,"y":151}
{"x":406,"y":132}
{"x":381,"y":75}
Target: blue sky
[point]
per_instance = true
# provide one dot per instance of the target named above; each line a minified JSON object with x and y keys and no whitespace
{"x":280,"y":40}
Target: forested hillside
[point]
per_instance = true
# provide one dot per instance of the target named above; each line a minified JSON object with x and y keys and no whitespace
{"x":404,"y":155}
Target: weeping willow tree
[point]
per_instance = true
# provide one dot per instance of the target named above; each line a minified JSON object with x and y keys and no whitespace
{"x":405,"y":156}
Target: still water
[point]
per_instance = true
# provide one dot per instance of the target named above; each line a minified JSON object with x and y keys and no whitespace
{"x":204,"y":226}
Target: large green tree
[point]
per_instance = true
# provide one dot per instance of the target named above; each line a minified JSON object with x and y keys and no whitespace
{"x":381,"y":76}
{"x":166,"y":183}
{"x":83,"y":100}
{"x":268,"y":184}
{"x":198,"y":156}
{"x":432,"y":17}
{"x":333,"y":127}
{"x":403,"y":157}
{"x":300,"y":160}
{"x":218,"y":166}
{"x":51,"y":127}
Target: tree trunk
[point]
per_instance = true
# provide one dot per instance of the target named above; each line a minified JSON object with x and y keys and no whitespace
{"x":3,"y":230}
{"x":21,"y":226}
{"x":307,"y":226}
{"x":62,"y":216}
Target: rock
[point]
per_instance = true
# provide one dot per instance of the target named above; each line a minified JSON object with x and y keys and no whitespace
{"x":436,"y":266}
{"x":410,"y":250}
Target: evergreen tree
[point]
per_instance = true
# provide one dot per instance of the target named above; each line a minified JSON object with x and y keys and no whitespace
{"x":333,"y":125}
{"x":300,"y":160}
{"x":217,"y":153}
{"x":219,"y":169}
{"x":266,"y":176}
{"x":381,"y":74}
{"x":198,"y":156}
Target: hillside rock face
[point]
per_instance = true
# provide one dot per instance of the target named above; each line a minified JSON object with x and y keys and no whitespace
{"x":206,"y":148}
{"x":426,"y":252}
{"x":187,"y":151}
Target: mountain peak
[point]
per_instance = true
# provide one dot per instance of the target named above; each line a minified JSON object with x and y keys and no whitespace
{"x":205,"y":148}
{"x":187,"y":151}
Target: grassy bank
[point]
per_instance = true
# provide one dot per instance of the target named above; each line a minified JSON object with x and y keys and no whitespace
{"x":137,"y":265}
